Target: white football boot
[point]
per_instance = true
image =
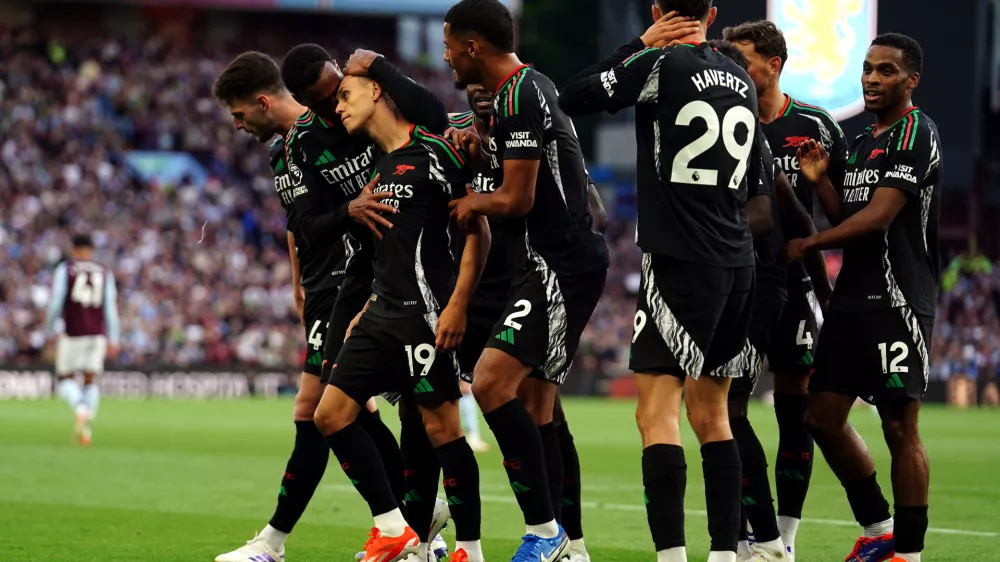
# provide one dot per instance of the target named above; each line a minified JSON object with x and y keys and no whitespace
{"x":255,"y":550}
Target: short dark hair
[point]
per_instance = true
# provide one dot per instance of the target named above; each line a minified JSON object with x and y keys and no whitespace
{"x":767,"y":39}
{"x":697,"y":9}
{"x":913,"y":55}
{"x":729,"y":50}
{"x":82,"y":241}
{"x":249,"y":74}
{"x":488,"y":18}
{"x":302,"y":65}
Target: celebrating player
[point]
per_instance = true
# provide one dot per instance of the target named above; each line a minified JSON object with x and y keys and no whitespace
{"x":85,"y":296}
{"x":697,"y":270}
{"x":335,"y":163}
{"x":876,"y":338}
{"x":560,"y":260}
{"x":404,"y":339}
{"x":252,"y":90}
{"x":486,"y":308}
{"x":786,"y":122}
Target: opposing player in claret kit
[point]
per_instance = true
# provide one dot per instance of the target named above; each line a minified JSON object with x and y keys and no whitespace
{"x":486,"y":308}
{"x":405,"y":338}
{"x":559,"y":260}
{"x":85,"y":297}
{"x":786,"y":123}
{"x":251,"y":88}
{"x":876,"y":339}
{"x":696,"y":125}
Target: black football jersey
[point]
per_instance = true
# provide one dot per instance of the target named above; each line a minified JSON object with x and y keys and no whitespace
{"x":900,"y":267}
{"x":696,"y":117}
{"x":495,"y":281}
{"x":328,"y":167}
{"x":558,"y":233}
{"x":414,"y":265}
{"x":797,"y":122}
{"x":770,"y":269}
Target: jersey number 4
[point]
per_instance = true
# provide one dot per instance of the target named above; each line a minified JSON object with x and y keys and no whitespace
{"x":682,"y":172}
{"x":88,"y":289}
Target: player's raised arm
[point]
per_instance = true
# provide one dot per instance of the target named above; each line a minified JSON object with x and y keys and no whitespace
{"x":416,"y":103}
{"x":814,"y":164}
{"x":616,"y":82}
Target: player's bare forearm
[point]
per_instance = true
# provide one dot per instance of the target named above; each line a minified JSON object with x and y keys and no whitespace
{"x":415,"y":102}
{"x":516,"y":196}
{"x":759,"y":217}
{"x":477,"y":248}
{"x":597,"y":208}
{"x":795,"y":219}
{"x":816,"y":267}
{"x":293,"y":257}
{"x":829,"y":199}
{"x":875,"y":218}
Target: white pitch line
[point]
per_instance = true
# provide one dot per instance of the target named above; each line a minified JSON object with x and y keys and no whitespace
{"x":702,"y":513}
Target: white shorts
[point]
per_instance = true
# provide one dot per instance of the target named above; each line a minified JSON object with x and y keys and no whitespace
{"x":82,"y":354}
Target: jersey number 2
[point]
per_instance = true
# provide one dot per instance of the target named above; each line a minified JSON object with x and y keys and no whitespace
{"x":525,"y":306}
{"x":88,"y":289}
{"x":682,"y":172}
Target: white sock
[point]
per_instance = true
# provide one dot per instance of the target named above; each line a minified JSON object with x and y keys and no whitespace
{"x":772,"y":547}
{"x":92,"y":398}
{"x":469,"y":411}
{"x":675,"y":554}
{"x":275,"y":538}
{"x":474,"y":550}
{"x":391,"y":523}
{"x":743,"y":549}
{"x":722,"y":556}
{"x":909,"y":557}
{"x":69,"y":390}
{"x":787,"y":527}
{"x":879,"y":529}
{"x":422,"y":551}
{"x":548,"y":530}
{"x":576,"y":546}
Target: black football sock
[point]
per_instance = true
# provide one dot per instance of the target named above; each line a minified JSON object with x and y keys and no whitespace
{"x":793,"y":467}
{"x":461,"y":487}
{"x":553,"y":467}
{"x":303,"y":472}
{"x":756,"y":498}
{"x":867,"y":502}
{"x":360,"y":460}
{"x":572,"y":515}
{"x":664,"y":477}
{"x":910,"y":526}
{"x":720,"y":461}
{"x":388,"y":450}
{"x":423,"y":471}
{"x":524,"y":459}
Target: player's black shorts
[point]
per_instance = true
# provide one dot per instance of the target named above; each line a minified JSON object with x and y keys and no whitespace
{"x":542,"y":324}
{"x":745,"y":368}
{"x":317,"y":317}
{"x":388,"y":353}
{"x":876,"y":355}
{"x":348,"y":305}
{"x":793,"y":345}
{"x":480,"y":319}
{"x":691,"y":318}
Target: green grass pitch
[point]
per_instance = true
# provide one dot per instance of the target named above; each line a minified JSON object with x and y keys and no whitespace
{"x":184,"y":481}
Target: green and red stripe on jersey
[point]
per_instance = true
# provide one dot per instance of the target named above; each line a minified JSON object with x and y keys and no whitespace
{"x":462,"y":120}
{"x":509,"y":90}
{"x":423,"y":134}
{"x":908,"y":129}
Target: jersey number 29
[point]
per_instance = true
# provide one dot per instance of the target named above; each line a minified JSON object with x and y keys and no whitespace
{"x":682,"y":172}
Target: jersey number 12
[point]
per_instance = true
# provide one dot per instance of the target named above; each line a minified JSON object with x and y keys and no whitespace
{"x":682,"y":172}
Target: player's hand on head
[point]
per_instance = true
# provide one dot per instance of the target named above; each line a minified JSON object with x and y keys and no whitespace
{"x":814,"y":160}
{"x":462,"y":210}
{"x":367,"y":207}
{"x":360,"y":62}
{"x":796,"y":250}
{"x":668,"y":30}
{"x":450,"y":328}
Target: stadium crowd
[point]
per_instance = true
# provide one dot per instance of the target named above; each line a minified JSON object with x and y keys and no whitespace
{"x":202,"y":270}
